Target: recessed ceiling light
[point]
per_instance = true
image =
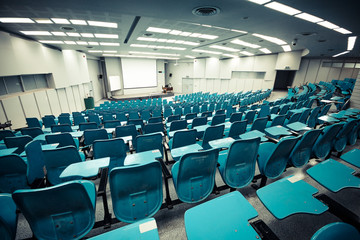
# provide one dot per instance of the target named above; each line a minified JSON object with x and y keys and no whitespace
{"x":265,"y":50}
{"x":206,"y":51}
{"x":72,"y":34}
{"x":109,"y":44}
{"x":224,"y":48}
{"x":247,"y":53}
{"x":87,"y":35}
{"x":93,"y":43}
{"x":309,"y":17}
{"x":342,"y":30}
{"x":261,"y":2}
{"x":60,"y":21}
{"x":328,"y":25}
{"x":351,"y":43}
{"x":60,"y":34}
{"x":36,"y":33}
{"x":78,"y":22}
{"x":101,"y":35}
{"x":286,"y":48}
{"x":81,"y":43}
{"x":188,"y":56}
{"x":16,"y":20}
{"x":158,"y":30}
{"x":51,"y":42}
{"x":230,"y":55}
{"x":70,"y":42}
{"x":103,"y":24}
{"x":270,"y":39}
{"x":342,"y":53}
{"x":43,"y":20}
{"x":243,"y":43}
{"x":282,"y":8}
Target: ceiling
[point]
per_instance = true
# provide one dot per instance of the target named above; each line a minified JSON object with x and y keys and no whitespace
{"x":237,"y":20}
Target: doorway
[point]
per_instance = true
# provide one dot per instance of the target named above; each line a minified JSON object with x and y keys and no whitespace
{"x":284,"y":79}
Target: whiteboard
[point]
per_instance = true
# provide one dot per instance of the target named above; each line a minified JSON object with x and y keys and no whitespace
{"x":139,"y":73}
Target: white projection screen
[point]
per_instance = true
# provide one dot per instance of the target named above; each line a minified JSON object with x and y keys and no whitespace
{"x":139,"y":73}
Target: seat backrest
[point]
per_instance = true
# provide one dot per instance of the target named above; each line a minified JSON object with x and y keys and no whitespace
{"x":178,"y":111}
{"x":239,"y":169}
{"x":35,"y":161}
{"x":199,"y":121}
{"x":278,"y":158}
{"x":156,"y":113}
{"x":183,"y":138}
{"x":155,"y":119}
{"x":259,"y":124}
{"x":112,"y":124}
{"x":284,"y":109}
{"x":32,"y":132}
{"x":264,"y":111}
{"x":65,"y":120}
{"x":134,"y":115}
{"x":325,"y":141}
{"x":220,"y":111}
{"x":178,"y":125}
{"x":108,"y":117}
{"x":311,"y":122}
{"x":167,"y":112}
{"x":212,"y":133}
{"x":249,"y":116}
{"x":235,"y":116}
{"x":90,"y":135}
{"x":324,"y":110}
{"x":136,"y":191}
{"x":121,"y":116}
{"x":344,"y":134}
{"x":48,"y":121}
{"x":196,"y":109}
{"x":278,"y":120}
{"x":195,"y":175}
{"x":87,"y":125}
{"x":154,"y":127}
{"x":145,"y":115}
{"x":33,"y":122}
{"x":337,"y":230}
{"x":274,"y":110}
{"x":149,"y":142}
{"x":139,"y":122}
{"x":17,"y":141}
{"x":12,"y":173}
{"x":93,"y":118}
{"x":63,"y":139}
{"x":294,"y":118}
{"x":218,"y":119}
{"x":63,"y":128}
{"x":6,"y":133}
{"x":190,"y":116}
{"x":237,"y":128}
{"x":113,"y":148}
{"x":56,"y":160}
{"x":8,"y":217}
{"x":302,"y":151}
{"x":66,"y":211}
{"x":304,"y":116}
{"x":79,"y":119}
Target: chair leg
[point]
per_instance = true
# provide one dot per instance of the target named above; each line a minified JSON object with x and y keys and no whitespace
{"x":102,"y":193}
{"x":215,"y":190}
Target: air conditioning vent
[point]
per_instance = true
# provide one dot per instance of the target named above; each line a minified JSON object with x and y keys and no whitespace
{"x":206,"y":11}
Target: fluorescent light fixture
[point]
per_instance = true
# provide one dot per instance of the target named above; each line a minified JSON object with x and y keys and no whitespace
{"x":72,"y":34}
{"x":78,"y":22}
{"x":265,"y":50}
{"x":342,"y":53}
{"x":109,"y":55}
{"x":95,"y":51}
{"x":261,"y":2}
{"x":158,"y":30}
{"x":230,"y":55}
{"x":222,"y":28}
{"x":191,"y":43}
{"x":282,"y":8}
{"x":185,"y":34}
{"x":195,"y":35}
{"x":328,"y":25}
{"x":60,"y":34}
{"x":171,"y":41}
{"x":247,"y":53}
{"x":205,"y":25}
{"x":93,"y":43}
{"x":82,"y":43}
{"x":60,"y":21}
{"x":206,"y":36}
{"x":239,"y":31}
{"x":286,"y":48}
{"x":101,"y":35}
{"x":103,"y":24}
{"x":147,"y":39}
{"x":188,"y":56}
{"x":152,"y":53}
{"x":137,"y":56}
{"x":70,"y":42}
{"x":174,"y":32}
{"x":342,"y":30}
{"x":246,"y":44}
{"x":36,"y":33}
{"x":178,"y":48}
{"x":206,"y":51}
{"x":179,"y":41}
{"x":270,"y":39}
{"x":309,"y":17}
{"x":109,"y":44}
{"x":87,"y":35}
{"x":16,"y":20}
{"x":110,"y":51}
{"x":159,"y":40}
{"x":138,"y":45}
{"x":225,"y":48}
{"x":51,"y":42}
{"x":351,"y":43}
{"x":43,"y":20}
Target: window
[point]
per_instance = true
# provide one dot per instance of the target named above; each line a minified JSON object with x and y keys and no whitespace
{"x":22,"y":83}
